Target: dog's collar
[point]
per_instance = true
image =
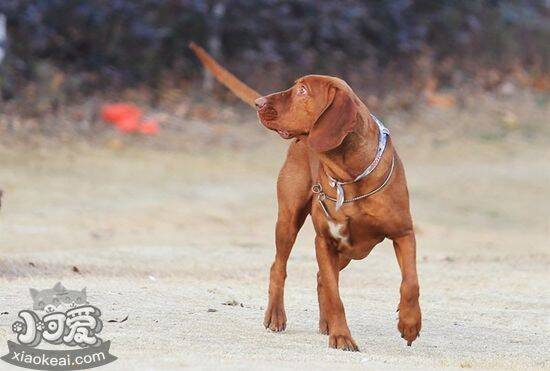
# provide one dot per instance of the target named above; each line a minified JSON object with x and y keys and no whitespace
{"x":322,"y":196}
{"x":382,"y":140}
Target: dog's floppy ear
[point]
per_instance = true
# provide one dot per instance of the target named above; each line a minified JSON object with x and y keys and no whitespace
{"x":337,"y":120}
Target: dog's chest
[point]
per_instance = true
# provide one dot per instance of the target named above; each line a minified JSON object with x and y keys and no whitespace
{"x":339,"y":231}
{"x":354,"y":240}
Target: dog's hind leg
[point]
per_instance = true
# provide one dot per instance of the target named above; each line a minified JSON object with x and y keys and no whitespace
{"x":294,"y":201}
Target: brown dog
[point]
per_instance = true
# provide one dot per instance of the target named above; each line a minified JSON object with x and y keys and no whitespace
{"x":341,"y":168}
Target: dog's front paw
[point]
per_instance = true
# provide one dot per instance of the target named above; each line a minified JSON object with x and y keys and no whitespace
{"x":343,"y":342}
{"x":275,"y":318}
{"x":410,"y":321}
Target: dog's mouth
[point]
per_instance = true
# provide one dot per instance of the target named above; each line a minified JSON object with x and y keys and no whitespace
{"x":284,"y":134}
{"x":269,"y":124}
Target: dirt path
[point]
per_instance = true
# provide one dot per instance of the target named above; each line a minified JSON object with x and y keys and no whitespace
{"x":166,"y":238}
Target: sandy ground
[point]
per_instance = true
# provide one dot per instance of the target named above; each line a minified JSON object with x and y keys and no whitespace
{"x":167,"y":237}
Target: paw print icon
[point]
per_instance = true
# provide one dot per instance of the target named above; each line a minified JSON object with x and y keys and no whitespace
{"x":19,"y":327}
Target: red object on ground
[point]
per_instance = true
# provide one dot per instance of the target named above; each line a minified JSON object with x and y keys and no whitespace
{"x":150,"y":127}
{"x":128,"y":125}
{"x":126,"y":118}
{"x":119,"y":112}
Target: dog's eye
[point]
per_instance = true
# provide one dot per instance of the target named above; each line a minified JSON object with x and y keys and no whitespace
{"x":302,"y":90}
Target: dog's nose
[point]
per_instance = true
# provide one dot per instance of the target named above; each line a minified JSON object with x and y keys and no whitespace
{"x":260,"y":102}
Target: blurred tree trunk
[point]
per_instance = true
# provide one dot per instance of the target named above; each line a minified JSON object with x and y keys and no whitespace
{"x":214,"y":44}
{"x":3,"y":52}
{"x":3,"y":37}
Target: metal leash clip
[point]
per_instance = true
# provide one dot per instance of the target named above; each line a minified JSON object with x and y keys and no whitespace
{"x":318,"y":189}
{"x":321,"y":196}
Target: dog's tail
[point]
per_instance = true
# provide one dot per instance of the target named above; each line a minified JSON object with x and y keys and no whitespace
{"x":239,"y":88}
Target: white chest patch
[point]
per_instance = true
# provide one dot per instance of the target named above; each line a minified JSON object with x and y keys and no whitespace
{"x":337,"y":231}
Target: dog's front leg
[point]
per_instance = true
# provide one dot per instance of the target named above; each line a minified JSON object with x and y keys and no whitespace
{"x":285,"y":235}
{"x":294,"y":202}
{"x":323,"y":324}
{"x":410,"y":319}
{"x":329,"y":269}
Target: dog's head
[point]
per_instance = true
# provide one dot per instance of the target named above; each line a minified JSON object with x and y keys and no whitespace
{"x":323,"y":108}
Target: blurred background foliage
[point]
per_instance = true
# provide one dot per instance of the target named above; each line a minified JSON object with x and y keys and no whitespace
{"x":125,"y":42}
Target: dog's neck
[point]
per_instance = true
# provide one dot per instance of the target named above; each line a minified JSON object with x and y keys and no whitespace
{"x":355,"y":153}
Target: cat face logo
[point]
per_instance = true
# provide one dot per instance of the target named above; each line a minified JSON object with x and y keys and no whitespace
{"x":57,"y":298}
{"x":59,"y":317}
